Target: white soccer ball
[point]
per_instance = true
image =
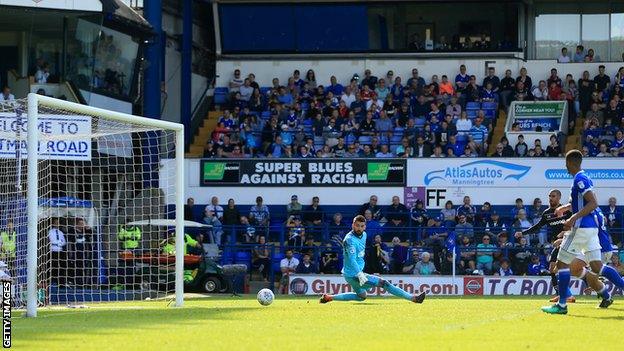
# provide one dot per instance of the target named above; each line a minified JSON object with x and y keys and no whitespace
{"x":265,"y":297}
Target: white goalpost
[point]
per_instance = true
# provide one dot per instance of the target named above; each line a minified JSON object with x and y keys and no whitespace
{"x":72,"y":189}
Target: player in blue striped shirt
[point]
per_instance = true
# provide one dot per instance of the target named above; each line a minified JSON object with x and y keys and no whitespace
{"x":354,"y":245}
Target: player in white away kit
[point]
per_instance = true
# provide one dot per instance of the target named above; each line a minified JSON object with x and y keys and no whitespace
{"x":582,"y":238}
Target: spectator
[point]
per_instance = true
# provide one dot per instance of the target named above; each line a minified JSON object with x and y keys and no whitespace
{"x":485,"y":251}
{"x":58,"y":252}
{"x":306,"y":266}
{"x":215,"y":208}
{"x":617,"y":146}
{"x":188,"y":209}
{"x":449,"y":213}
{"x":397,"y":213}
{"x":540,"y":93}
{"x":314,"y":214}
{"x":259,"y":213}
{"x":384,"y":152}
{"x":398,"y":256}
{"x":579,"y":55}
{"x":614,"y":218}
{"x":294,"y":207}
{"x":494,"y":226}
{"x":467,"y":210}
{"x":505,"y":269}
{"x":296,"y":233}
{"x":329,"y":260}
{"x":80,"y":251}
{"x":288,"y":266}
{"x":462,"y":79}
{"x":43,"y":74}
{"x":6,"y":95}
{"x":437,"y":152}
{"x":525,"y":79}
{"x":445,"y":87}
{"x":247,"y":231}
{"x":463,"y":228}
{"x":425,"y":266}
{"x":602,"y":80}
{"x":231,"y":214}
{"x":261,"y":257}
{"x":519,"y":205}
{"x":479,"y":134}
{"x":536,"y":267}
{"x":484,"y":215}
{"x":493,"y":79}
{"x":463,"y":124}
{"x":377,"y":257}
{"x":521,"y":149}
{"x":522,"y":256}
{"x":371,"y":205}
{"x":246,"y":90}
{"x":419,"y":214}
{"x":410,"y":264}
{"x":236,"y":82}
{"x":616,"y":264}
{"x":337,"y":229}
{"x":467,"y":255}
{"x":564,"y":58}
{"x":372,"y":225}
{"x":553,"y":149}
{"x":507,"y":87}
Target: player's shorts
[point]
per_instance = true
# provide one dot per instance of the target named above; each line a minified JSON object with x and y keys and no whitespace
{"x":372,"y":282}
{"x":580,"y":241}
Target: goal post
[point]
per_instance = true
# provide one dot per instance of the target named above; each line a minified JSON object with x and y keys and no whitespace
{"x":104,"y":134}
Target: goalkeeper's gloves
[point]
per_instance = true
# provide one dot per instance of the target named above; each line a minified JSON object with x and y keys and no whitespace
{"x":362,"y":278}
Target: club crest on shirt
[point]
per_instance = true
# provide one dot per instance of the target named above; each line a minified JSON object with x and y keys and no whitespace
{"x":580,"y":184}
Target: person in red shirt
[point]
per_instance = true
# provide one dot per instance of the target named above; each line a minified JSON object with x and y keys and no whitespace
{"x":554,"y":91}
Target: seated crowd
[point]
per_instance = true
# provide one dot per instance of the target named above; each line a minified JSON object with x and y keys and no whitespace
{"x":383,"y":117}
{"x":400,"y":240}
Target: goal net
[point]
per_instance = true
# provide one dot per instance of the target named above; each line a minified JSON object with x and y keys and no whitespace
{"x":85,"y":214}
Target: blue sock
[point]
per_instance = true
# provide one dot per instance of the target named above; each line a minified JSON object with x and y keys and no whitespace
{"x":604,"y":293}
{"x":613,"y":276}
{"x":569,"y":292}
{"x":398,"y":292}
{"x":564,"y":286}
{"x":347,"y":297}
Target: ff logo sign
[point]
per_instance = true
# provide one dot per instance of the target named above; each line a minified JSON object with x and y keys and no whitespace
{"x":473,"y":285}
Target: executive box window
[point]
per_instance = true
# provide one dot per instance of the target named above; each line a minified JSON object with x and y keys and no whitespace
{"x":369,"y":27}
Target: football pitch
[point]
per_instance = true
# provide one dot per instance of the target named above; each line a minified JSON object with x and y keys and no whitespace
{"x":301,"y":323}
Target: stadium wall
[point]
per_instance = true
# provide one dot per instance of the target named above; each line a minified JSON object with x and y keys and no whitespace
{"x":440,"y":285}
{"x":266,"y":69}
{"x":499,"y":181}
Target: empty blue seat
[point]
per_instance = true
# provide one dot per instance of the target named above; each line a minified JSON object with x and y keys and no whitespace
{"x":489,"y":105}
{"x":265,"y":115}
{"x":243,"y":257}
{"x":462,"y":138}
{"x":471,"y":113}
{"x":277,"y":258}
{"x":264,"y":90}
{"x":350,"y":139}
{"x":473,"y":105}
{"x":365,"y":140}
{"x":490,"y":113}
{"x":419,"y":122}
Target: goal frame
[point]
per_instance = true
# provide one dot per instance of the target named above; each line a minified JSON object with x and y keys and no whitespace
{"x":32,"y":200}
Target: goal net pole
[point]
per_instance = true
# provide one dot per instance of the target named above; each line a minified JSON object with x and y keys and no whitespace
{"x":34,"y":101}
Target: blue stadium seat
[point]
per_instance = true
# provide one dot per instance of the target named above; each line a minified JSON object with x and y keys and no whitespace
{"x":243,"y":257}
{"x":490,"y":113}
{"x":462,"y":138}
{"x":473,"y":105}
{"x":276,"y":261}
{"x":265,"y":115}
{"x":365,"y":140}
{"x":307,"y":122}
{"x":489,"y":105}
{"x":350,"y":139}
{"x":264,"y":90}
{"x":471,"y":113}
{"x":220,"y":95}
{"x":420,"y":122}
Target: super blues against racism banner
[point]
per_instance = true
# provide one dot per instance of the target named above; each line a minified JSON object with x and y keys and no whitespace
{"x":390,"y":172}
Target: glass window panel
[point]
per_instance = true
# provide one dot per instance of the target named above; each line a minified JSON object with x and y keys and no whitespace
{"x":617,"y":37}
{"x":552,"y":32}
{"x":596,"y":35}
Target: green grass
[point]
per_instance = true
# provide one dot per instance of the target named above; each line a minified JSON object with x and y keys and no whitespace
{"x":301,"y":323}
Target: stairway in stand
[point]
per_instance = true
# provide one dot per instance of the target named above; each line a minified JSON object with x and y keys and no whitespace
{"x":499,"y":131}
{"x":204,"y":133}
